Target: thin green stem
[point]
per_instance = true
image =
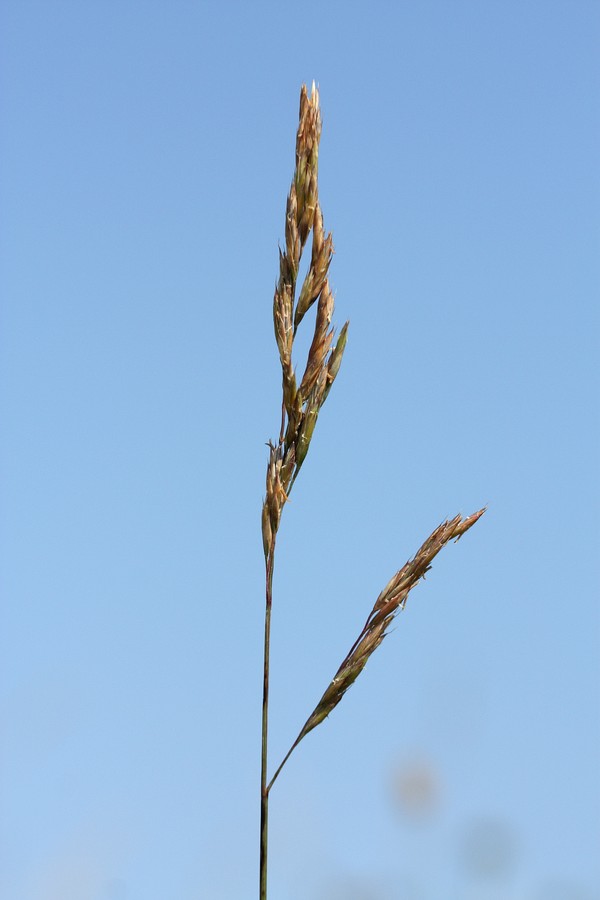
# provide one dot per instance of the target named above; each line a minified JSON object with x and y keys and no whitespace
{"x":284,"y":760}
{"x":264,"y":788}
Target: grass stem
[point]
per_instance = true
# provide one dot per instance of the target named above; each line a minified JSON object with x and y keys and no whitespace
{"x":264,"y":788}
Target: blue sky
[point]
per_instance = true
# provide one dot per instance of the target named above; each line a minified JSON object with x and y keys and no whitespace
{"x":147,"y":150}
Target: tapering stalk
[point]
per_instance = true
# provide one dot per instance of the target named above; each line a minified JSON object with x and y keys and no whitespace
{"x":284,"y":760}
{"x":264,"y":787}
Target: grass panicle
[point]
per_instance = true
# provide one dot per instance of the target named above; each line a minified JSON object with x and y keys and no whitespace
{"x":300,"y":408}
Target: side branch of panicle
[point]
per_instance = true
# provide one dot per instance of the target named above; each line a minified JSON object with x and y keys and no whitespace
{"x":390,"y":600}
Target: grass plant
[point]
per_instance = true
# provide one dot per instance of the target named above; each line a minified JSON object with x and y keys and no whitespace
{"x":302,"y":402}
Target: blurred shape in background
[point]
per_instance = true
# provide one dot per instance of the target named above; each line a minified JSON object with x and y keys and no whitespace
{"x":564,"y":890}
{"x":115,"y":889}
{"x":416,"y":787}
{"x":350,"y":888}
{"x":489,"y":850}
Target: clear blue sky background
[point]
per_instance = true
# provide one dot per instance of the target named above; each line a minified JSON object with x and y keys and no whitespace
{"x":146,"y":152}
